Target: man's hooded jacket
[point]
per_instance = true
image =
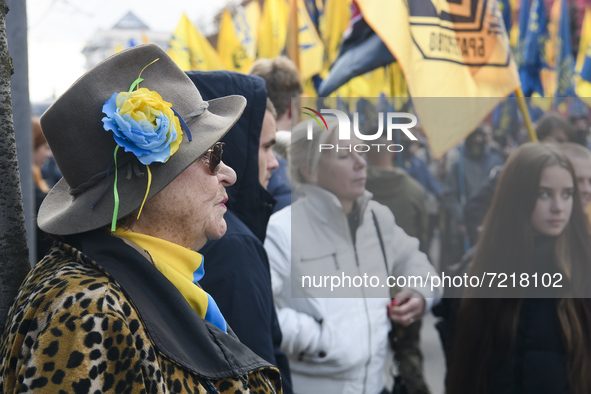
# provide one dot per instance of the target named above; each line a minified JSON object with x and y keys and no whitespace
{"x":237,"y":267}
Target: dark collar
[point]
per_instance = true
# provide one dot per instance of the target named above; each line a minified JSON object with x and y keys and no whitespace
{"x":176,"y":329}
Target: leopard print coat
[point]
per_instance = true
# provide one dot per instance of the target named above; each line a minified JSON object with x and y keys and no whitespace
{"x":74,"y":329}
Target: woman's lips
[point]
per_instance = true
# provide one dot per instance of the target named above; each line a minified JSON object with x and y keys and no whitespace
{"x":223,"y":203}
{"x":556,"y":222}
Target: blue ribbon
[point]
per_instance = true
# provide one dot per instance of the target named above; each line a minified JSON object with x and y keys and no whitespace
{"x":183,"y":125}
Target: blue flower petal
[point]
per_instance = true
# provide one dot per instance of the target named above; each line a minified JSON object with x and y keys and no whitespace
{"x":109,"y":125}
{"x":110,"y":105}
{"x":149,"y":142}
{"x":130,"y":147}
{"x":160,"y":157}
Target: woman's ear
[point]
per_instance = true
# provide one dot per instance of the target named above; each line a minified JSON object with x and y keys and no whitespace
{"x":307,"y":174}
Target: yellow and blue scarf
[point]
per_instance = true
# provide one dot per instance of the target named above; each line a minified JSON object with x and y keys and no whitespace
{"x":183,"y":268}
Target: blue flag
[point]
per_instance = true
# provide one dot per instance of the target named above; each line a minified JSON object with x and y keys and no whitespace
{"x":505,"y":118}
{"x":522,"y":27}
{"x":532,"y":50}
{"x":361,"y":51}
{"x":505,"y":9}
{"x":565,"y":63}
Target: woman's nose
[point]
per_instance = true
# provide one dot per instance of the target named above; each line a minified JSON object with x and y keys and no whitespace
{"x":360,"y":162}
{"x":558,"y":204}
{"x":226,"y":175}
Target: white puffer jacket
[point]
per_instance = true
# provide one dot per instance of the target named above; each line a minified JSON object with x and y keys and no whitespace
{"x":337,"y":340}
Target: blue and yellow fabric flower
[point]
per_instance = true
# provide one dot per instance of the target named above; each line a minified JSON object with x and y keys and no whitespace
{"x":143,"y":124}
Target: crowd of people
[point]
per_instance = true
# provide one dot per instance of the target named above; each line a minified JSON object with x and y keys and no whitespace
{"x":173,"y":252}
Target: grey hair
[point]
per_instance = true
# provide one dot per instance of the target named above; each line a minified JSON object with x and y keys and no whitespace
{"x":283,"y":139}
{"x":307,"y":152}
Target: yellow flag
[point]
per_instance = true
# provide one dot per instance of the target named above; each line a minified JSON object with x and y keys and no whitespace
{"x":145,"y":38}
{"x":370,"y":84}
{"x":308,"y":88}
{"x":311,"y":48}
{"x":584,"y":41}
{"x":548,"y":74}
{"x":388,"y":81}
{"x":118,"y":48}
{"x":273,"y":29}
{"x":447,"y":49}
{"x":246,"y":22}
{"x":232,"y":54}
{"x":583,"y":65}
{"x":336,"y":19}
{"x":190,"y":50}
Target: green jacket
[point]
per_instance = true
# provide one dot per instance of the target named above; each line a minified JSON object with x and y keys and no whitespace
{"x":404,"y":196}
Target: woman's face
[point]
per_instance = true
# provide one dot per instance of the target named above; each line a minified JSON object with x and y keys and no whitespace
{"x":554,"y":203}
{"x":190,"y":210}
{"x":582,"y":167}
{"x":343,"y":173}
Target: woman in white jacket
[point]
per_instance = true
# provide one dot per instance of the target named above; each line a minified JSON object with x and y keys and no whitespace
{"x":335,"y":255}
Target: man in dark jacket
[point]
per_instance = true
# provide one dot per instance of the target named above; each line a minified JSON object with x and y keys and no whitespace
{"x":284,"y":86}
{"x":238,"y":276}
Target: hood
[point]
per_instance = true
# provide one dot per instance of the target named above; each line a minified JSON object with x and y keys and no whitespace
{"x":247,"y":198}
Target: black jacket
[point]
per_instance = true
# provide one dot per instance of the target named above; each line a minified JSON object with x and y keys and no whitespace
{"x":537,"y":360}
{"x":237,"y":268}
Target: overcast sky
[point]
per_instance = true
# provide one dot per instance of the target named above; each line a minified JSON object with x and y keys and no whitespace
{"x":59,"y":29}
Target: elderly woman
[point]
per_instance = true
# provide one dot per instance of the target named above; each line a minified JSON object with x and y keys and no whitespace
{"x":115,"y":306}
{"x":335,"y":330}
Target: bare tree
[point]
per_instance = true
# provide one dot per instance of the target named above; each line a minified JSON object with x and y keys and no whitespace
{"x":14,"y":252}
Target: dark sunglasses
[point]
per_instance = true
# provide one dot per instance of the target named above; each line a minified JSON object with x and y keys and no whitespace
{"x":214,"y":156}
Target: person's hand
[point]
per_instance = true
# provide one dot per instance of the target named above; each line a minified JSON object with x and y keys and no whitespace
{"x":407,"y":307}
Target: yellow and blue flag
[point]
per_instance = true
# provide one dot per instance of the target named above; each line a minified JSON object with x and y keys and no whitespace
{"x":190,"y":50}
{"x":246,"y":22}
{"x":230,"y":49}
{"x":311,"y":48}
{"x":564,"y":56}
{"x":521,"y":29}
{"x":583,"y":65}
{"x":584,"y":40}
{"x":532,"y":50}
{"x":507,"y":12}
{"x":505,"y":118}
{"x":273,"y":29}
{"x":516,"y":5}
{"x":337,"y":14}
{"x":315,"y":9}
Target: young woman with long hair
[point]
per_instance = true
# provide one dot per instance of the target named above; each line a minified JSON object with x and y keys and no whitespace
{"x":526,"y":343}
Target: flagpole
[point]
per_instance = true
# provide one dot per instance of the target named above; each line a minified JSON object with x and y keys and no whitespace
{"x":292,"y":38}
{"x":526,"y":118}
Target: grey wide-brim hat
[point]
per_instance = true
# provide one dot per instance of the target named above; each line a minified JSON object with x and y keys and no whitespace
{"x":83,"y":149}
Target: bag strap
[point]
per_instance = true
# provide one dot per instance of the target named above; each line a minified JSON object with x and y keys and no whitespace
{"x":377,"y":225}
